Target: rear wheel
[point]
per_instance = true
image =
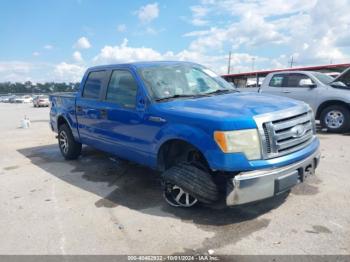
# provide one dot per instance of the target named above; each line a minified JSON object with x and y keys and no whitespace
{"x":335,"y":118}
{"x":185,"y":185}
{"x":70,"y":149}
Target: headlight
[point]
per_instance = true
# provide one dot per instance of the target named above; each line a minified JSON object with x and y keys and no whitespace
{"x":244,"y":141}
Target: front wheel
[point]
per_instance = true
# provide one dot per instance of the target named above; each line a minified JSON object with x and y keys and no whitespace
{"x":70,"y":149}
{"x":335,"y":118}
{"x":185,"y":184}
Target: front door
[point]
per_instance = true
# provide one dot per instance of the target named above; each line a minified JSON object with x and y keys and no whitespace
{"x":123,"y":122}
{"x":294,"y":88}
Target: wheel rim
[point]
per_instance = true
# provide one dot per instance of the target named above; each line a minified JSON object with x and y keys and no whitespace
{"x":63,"y":141}
{"x":334,"y":119}
{"x":176,"y":196}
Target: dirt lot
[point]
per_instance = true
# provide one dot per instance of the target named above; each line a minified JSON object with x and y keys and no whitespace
{"x":99,"y":205}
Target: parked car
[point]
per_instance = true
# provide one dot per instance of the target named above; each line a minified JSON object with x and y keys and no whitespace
{"x":5,"y":99}
{"x":328,"y":97}
{"x":188,"y":123}
{"x":18,"y":99}
{"x":12,"y":99}
{"x":41,"y":101}
{"x":23,"y":99}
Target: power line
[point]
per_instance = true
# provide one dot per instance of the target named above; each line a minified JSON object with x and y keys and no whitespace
{"x":291,"y":62}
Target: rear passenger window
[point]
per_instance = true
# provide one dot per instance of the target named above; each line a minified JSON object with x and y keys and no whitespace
{"x":277,"y":81}
{"x":122,"y":89}
{"x":93,"y":84}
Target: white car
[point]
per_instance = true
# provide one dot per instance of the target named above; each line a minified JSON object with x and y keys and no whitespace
{"x":41,"y":100}
{"x":24,"y":99}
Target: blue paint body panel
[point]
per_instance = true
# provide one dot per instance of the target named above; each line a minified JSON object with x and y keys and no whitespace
{"x":133,"y":134}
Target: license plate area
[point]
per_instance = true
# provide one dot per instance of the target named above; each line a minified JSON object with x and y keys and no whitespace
{"x":286,"y":182}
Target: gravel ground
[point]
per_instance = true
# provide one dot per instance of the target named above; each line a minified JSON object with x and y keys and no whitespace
{"x":100,"y":205}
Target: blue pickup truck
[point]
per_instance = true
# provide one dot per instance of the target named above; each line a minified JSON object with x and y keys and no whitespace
{"x":207,"y":140}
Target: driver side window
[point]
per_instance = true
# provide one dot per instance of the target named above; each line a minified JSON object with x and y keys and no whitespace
{"x":122,"y":89}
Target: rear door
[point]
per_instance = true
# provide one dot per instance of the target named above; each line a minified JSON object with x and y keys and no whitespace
{"x":275,"y":85}
{"x":294,"y":89}
{"x":89,"y":107}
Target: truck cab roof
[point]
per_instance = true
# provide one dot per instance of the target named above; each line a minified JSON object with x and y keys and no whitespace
{"x":140,"y":64}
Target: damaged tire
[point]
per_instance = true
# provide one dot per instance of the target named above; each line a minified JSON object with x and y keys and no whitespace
{"x":70,"y":149}
{"x":185,"y":185}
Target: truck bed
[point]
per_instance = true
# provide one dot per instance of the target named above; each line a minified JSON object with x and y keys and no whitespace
{"x":63,"y":104}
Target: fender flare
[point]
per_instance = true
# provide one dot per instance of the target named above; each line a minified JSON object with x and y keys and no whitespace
{"x":191,"y":135}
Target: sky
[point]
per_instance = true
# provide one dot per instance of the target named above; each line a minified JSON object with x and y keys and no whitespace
{"x":57,"y":40}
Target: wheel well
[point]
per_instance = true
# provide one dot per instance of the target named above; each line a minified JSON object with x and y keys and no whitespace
{"x":175,"y":151}
{"x":60,"y":121}
{"x":330,"y":103}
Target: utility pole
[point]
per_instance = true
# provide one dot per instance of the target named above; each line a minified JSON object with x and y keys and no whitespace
{"x":229,"y":63}
{"x":291,"y":62}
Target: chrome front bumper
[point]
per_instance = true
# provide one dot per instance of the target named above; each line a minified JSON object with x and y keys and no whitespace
{"x":260,"y":184}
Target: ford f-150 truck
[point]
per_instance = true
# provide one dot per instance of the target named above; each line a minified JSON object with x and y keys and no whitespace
{"x":207,"y":140}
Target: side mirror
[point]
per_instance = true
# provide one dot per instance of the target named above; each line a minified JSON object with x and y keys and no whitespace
{"x":307,"y":82}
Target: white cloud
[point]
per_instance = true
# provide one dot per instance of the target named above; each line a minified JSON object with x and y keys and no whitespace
{"x":314,"y":32}
{"x":121,"y":28}
{"x":82,"y":43}
{"x":198,"y":14}
{"x":148,"y":12}
{"x":35,"y":53}
{"x":21,"y":71}
{"x":261,"y":8}
{"x":68,"y":72}
{"x":48,"y":47}
{"x":77,"y":57}
{"x":19,"y":67}
{"x":125,"y":53}
{"x":249,"y":31}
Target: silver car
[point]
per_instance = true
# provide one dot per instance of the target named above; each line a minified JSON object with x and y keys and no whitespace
{"x":328,"y":97}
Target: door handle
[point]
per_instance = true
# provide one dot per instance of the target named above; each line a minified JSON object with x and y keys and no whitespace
{"x":79,"y":109}
{"x":286,"y":92}
{"x":103,"y":113}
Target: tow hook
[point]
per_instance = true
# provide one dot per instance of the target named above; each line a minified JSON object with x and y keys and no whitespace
{"x":309,"y":170}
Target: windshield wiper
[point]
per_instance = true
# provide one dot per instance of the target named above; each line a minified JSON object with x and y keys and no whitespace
{"x":173,"y":97}
{"x":221,"y":91}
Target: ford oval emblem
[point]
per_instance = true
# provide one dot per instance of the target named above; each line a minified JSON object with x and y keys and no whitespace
{"x":298,"y":131}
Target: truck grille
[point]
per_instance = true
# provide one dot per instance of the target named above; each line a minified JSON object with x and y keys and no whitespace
{"x":285,"y":133}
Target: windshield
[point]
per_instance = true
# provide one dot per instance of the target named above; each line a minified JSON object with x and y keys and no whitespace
{"x":182,"y":80}
{"x":325,"y":79}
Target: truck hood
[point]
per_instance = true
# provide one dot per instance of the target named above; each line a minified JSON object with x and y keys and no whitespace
{"x":236,"y":108}
{"x":343,"y":78}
